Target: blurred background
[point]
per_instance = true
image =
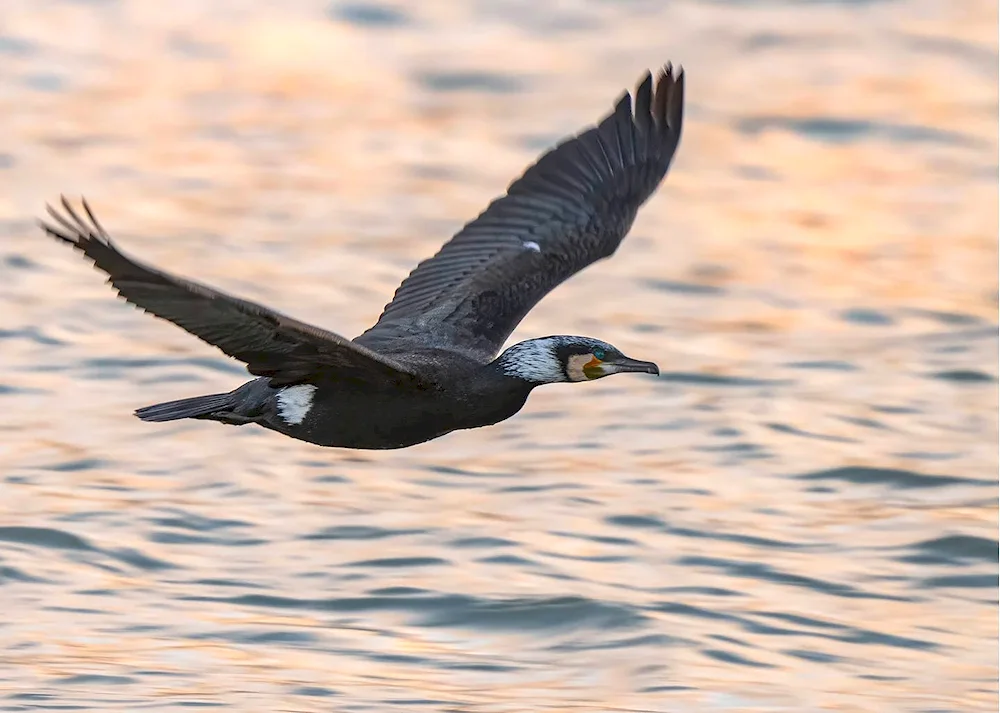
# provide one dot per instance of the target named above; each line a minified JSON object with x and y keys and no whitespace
{"x":799,"y":514}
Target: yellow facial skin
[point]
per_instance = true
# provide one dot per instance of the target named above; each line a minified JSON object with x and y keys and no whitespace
{"x":584,"y":367}
{"x":592,"y":369}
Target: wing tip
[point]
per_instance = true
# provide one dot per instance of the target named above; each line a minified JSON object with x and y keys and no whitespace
{"x":668,"y":99}
{"x":70,"y":227}
{"x":674,"y":74}
{"x":658,"y":99}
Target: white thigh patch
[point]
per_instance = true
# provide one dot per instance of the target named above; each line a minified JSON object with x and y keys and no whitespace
{"x":294,"y":403}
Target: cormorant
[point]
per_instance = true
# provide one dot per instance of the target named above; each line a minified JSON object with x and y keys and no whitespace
{"x":429,"y":366}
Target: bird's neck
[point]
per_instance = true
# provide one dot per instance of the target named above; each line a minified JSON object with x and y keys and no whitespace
{"x":534,"y":361}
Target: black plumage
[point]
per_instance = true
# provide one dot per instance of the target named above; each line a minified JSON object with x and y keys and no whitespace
{"x":429,"y":365}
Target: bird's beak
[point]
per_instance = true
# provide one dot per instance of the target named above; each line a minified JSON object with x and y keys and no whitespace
{"x":624,"y":364}
{"x":621,"y":365}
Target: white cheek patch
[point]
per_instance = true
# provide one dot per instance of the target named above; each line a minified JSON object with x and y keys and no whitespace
{"x":294,"y":403}
{"x":532,"y":246}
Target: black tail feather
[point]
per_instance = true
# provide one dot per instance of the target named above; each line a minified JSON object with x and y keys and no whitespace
{"x":195,"y":407}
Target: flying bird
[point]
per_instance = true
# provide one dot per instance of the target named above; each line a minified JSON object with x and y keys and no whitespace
{"x":432,"y":363}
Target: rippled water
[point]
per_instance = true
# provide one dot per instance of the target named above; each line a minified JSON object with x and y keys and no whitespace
{"x":800,"y":514}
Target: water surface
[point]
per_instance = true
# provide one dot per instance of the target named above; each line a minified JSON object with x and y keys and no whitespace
{"x":799,"y":514}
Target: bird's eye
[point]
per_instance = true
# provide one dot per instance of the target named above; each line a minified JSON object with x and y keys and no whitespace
{"x":599,"y":354}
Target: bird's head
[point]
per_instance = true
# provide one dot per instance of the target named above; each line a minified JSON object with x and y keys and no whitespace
{"x":548,"y":360}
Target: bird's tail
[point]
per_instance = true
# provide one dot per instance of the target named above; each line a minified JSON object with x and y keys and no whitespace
{"x":195,"y":407}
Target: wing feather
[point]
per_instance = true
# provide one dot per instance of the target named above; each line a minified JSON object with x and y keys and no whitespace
{"x":571,"y":208}
{"x":269,"y":343}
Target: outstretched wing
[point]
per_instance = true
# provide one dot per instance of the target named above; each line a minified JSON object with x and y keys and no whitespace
{"x":570,"y":209}
{"x":269,"y":343}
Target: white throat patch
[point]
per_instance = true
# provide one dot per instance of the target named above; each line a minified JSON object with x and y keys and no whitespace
{"x":294,"y":403}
